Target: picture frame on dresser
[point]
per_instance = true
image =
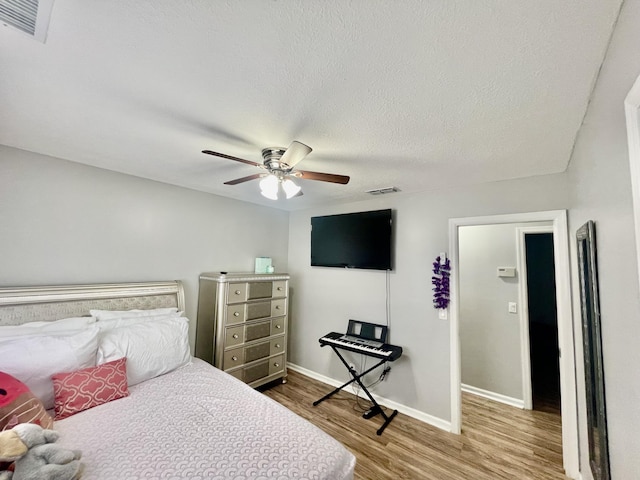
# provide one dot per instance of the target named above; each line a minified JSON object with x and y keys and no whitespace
{"x":242,"y":324}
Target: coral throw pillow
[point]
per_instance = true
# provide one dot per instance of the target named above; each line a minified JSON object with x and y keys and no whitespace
{"x":89,"y":387}
{"x":19,"y":405}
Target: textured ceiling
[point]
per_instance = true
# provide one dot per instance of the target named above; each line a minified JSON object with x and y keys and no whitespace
{"x":414,"y":94}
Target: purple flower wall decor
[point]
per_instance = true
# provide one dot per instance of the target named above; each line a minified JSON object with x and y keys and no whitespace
{"x":440,"y":282}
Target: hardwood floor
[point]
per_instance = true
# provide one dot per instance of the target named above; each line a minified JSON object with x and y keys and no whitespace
{"x":497,"y":441}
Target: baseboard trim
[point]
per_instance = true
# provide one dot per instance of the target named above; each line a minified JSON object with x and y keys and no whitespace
{"x":411,"y":412}
{"x":514,"y":402}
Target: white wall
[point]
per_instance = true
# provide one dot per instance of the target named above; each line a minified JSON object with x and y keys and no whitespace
{"x":62,"y":222}
{"x":324,"y":299}
{"x":599,"y":174}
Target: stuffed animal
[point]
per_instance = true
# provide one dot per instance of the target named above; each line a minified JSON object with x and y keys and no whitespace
{"x":36,"y":456}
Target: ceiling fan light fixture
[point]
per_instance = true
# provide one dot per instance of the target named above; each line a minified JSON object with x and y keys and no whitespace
{"x":279,"y":164}
{"x":290,"y":188}
{"x":269,"y":187}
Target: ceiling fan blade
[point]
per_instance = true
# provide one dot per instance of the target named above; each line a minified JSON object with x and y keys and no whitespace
{"x":322,"y":177}
{"x":255,"y":176}
{"x":296,"y":152}
{"x":229,"y":157}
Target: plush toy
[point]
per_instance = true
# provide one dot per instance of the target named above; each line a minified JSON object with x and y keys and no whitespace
{"x":36,"y":456}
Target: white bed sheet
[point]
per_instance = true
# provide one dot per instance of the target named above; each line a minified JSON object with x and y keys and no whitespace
{"x":199,"y":423}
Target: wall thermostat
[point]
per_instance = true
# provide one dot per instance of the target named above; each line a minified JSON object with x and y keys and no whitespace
{"x":506,"y":271}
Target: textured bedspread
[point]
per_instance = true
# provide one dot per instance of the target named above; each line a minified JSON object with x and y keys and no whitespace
{"x":199,"y":423}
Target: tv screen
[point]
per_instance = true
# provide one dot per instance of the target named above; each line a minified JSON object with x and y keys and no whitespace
{"x":352,"y":240}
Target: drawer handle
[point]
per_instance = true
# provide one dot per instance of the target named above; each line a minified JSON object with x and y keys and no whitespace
{"x":277,"y":307}
{"x":234,"y":358}
{"x":277,"y":345}
{"x":279,"y":289}
{"x":237,"y":292}
{"x":278,"y":326}
{"x":236,"y":314}
{"x":276,"y":364}
{"x":235,"y":335}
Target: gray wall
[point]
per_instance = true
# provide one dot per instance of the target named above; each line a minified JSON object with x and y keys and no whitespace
{"x":325,"y":298}
{"x":490,"y":350}
{"x":62,"y":222}
{"x":601,"y":191}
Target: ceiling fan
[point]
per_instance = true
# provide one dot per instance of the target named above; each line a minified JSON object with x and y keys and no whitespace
{"x":279,"y":164}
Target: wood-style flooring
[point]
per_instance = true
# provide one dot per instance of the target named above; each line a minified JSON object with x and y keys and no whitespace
{"x":497,"y":441}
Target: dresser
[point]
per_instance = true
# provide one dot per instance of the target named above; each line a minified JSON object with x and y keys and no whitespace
{"x":242,"y":324}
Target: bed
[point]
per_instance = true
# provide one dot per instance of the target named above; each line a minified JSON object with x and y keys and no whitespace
{"x":190,"y":421}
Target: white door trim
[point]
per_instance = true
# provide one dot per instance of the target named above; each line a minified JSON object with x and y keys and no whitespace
{"x":565,"y":332}
{"x":523,"y":300}
{"x":632,"y":113}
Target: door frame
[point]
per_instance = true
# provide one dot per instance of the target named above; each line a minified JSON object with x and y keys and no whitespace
{"x":565,"y":322}
{"x":523,"y":300}
{"x":632,"y":114}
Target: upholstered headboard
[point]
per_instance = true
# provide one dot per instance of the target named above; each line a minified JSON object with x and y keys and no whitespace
{"x":30,"y":304}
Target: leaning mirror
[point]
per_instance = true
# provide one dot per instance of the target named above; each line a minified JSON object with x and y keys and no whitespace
{"x":592,"y":343}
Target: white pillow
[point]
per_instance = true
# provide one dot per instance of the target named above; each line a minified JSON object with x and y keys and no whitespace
{"x":115,"y":322}
{"x":151,"y":348}
{"x":104,"y":314}
{"x":64,"y":324}
{"x":34,"y":359}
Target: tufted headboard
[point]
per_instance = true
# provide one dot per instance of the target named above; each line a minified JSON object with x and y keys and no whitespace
{"x":47,"y":303}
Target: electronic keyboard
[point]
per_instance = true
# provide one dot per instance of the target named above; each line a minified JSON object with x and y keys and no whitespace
{"x":385,"y":351}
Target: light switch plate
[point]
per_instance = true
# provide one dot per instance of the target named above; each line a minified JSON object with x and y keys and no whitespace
{"x":442,"y":314}
{"x":513,"y":307}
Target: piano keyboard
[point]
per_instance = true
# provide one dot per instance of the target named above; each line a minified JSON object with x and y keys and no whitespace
{"x":387,"y":351}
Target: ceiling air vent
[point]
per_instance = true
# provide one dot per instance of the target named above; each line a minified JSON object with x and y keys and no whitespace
{"x":382,"y":191}
{"x":28,"y":16}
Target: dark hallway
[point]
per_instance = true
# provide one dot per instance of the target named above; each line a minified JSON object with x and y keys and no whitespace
{"x":543,"y":323}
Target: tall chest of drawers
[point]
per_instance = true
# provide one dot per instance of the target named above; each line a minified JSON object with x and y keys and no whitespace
{"x":242,"y":324}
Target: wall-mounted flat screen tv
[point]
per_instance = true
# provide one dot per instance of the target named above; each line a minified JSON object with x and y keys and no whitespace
{"x":352,"y":240}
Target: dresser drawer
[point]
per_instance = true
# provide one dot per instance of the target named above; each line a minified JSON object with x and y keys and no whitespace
{"x":279,"y":289}
{"x":243,"y":312}
{"x":237,"y":292}
{"x":241,"y":292}
{"x":261,"y":369}
{"x":276,"y":364}
{"x":277,"y":345}
{"x":239,"y":334}
{"x":259,"y":310}
{"x":278,"y":307}
{"x":260,"y":290}
{"x":236,"y":314}
{"x":234,"y":336}
{"x":278,"y":325}
{"x":246,"y":354}
{"x":233,"y":358}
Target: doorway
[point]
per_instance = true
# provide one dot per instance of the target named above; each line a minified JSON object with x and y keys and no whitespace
{"x":540,"y":291}
{"x":564,"y":318}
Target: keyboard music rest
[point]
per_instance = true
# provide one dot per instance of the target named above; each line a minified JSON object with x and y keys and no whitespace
{"x":386,"y":351}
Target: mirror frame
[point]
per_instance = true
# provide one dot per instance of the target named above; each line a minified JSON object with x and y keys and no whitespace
{"x":592,"y":345}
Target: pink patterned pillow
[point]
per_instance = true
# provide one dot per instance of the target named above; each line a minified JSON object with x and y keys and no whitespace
{"x":89,"y":387}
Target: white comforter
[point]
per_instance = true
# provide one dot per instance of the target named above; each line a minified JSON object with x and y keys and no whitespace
{"x":199,"y":423}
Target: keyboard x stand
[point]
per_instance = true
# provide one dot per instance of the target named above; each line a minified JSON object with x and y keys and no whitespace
{"x":373,"y":411}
